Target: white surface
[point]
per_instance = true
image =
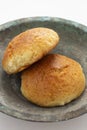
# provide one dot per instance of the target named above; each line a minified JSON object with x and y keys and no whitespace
{"x":75,"y":10}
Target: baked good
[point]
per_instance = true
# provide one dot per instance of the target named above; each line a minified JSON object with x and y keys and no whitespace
{"x":27,"y":48}
{"x":53,"y":81}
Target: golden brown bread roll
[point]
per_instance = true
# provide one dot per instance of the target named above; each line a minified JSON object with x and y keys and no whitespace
{"x":52,"y":81}
{"x":27,"y":48}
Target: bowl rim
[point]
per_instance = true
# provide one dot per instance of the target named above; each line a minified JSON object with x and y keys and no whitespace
{"x":42,"y":18}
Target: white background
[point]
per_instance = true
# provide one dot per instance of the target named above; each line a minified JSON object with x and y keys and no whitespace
{"x":75,"y":10}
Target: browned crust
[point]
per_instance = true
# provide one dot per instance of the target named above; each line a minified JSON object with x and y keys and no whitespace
{"x":27,"y":48}
{"x":52,"y":81}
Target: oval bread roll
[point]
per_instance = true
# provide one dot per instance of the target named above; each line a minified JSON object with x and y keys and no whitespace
{"x":27,"y":48}
{"x":53,"y":81}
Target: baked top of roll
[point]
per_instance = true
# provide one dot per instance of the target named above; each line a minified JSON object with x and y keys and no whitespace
{"x":53,"y":81}
{"x":27,"y":48}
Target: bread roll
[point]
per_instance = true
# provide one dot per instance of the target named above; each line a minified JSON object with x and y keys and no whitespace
{"x":53,"y":81}
{"x":27,"y":48}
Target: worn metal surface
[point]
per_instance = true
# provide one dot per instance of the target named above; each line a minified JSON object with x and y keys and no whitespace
{"x":73,"y":43}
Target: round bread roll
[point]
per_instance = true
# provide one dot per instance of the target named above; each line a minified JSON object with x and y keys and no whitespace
{"x":27,"y":48}
{"x":53,"y":81}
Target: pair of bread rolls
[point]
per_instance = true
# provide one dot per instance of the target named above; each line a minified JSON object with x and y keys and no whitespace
{"x":53,"y":80}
